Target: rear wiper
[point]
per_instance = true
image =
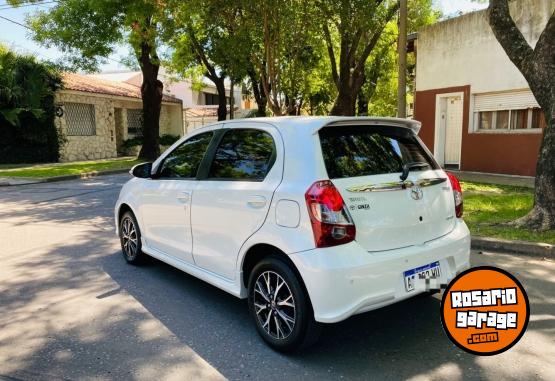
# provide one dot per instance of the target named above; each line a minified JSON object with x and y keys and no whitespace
{"x":408,"y":166}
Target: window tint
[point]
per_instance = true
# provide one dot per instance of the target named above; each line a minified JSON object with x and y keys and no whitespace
{"x":243,"y":155}
{"x":183,"y":162}
{"x":370,"y":150}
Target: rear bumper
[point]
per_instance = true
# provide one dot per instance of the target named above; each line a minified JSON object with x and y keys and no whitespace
{"x":346,"y":280}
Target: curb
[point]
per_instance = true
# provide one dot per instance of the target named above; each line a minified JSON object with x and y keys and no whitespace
{"x":86,"y":175}
{"x":530,"y":249}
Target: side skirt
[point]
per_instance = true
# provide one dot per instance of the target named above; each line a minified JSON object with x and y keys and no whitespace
{"x":216,"y":280}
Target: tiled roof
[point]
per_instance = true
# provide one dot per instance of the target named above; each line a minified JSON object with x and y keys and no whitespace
{"x":77,"y":82}
{"x":204,"y":111}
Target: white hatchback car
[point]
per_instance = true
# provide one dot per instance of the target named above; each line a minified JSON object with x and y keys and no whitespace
{"x":313,"y":219}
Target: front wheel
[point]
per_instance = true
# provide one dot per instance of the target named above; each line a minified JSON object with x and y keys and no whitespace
{"x":130,"y":239}
{"x":280,"y":307}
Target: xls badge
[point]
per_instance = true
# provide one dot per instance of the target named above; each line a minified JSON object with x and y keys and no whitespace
{"x":485,"y":310}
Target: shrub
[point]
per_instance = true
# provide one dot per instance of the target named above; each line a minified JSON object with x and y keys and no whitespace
{"x":131,"y":147}
{"x":28,"y":132}
{"x":168,"y":140}
{"x":165,"y":140}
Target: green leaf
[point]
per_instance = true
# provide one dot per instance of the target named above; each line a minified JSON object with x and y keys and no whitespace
{"x":12,"y":116}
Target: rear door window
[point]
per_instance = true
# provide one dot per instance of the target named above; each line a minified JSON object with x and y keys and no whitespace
{"x":243,"y":154}
{"x":353,"y":151}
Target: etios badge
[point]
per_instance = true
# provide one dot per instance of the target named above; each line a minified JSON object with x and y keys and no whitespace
{"x":416,"y":193}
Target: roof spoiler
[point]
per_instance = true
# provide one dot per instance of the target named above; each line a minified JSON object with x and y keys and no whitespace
{"x":397,"y":122}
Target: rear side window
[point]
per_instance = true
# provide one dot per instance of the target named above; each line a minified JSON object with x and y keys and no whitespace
{"x":353,"y":151}
{"x":243,"y":154}
{"x":183,"y":162}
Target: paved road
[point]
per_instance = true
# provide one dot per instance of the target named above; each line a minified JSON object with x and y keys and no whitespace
{"x":71,"y":308}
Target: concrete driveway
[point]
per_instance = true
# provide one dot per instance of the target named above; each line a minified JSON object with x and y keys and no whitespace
{"x":70,"y":308}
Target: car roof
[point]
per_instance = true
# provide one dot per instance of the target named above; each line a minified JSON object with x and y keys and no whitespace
{"x":315,"y":123}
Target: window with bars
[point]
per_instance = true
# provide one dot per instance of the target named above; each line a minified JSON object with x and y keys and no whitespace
{"x":80,"y":119}
{"x":134,"y":122}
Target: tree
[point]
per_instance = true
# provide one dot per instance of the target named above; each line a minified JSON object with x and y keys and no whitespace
{"x":537,"y":65}
{"x":28,"y":131}
{"x":257,"y":91}
{"x":210,"y":34}
{"x":285,"y":51}
{"x":351,"y":29}
{"x":89,"y":30}
{"x":379,"y":91}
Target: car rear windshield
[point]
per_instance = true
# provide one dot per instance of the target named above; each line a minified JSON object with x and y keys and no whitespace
{"x":351,"y":151}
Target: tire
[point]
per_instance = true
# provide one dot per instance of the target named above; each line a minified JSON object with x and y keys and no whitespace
{"x":285,"y":320}
{"x":428,"y":294}
{"x":130,"y":239}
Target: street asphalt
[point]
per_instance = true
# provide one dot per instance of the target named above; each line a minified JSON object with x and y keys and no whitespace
{"x":71,"y":308}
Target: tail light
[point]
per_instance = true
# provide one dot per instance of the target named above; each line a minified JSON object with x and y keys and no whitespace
{"x":457,"y":194}
{"x":331,"y":222}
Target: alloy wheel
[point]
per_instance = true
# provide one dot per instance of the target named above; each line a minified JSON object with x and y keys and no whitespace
{"x":274,"y":305}
{"x":129,"y":240}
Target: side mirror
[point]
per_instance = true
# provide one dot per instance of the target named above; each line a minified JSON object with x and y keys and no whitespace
{"x":142,"y":170}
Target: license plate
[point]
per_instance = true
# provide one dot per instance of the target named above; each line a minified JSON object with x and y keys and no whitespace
{"x":429,"y":271}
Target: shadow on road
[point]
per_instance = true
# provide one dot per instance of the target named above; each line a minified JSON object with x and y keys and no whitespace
{"x":397,"y":342}
{"x":69,"y":308}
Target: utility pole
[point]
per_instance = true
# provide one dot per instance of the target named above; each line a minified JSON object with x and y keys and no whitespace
{"x":402,"y":52}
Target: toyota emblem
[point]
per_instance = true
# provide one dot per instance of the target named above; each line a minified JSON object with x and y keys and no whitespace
{"x":416,"y":193}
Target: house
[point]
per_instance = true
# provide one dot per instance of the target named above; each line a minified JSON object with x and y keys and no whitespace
{"x":199,"y":104}
{"x":96,"y":116}
{"x":477,"y":110}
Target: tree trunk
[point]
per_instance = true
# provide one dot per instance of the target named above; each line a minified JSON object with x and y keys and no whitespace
{"x":542,"y":216}
{"x":345,"y":103}
{"x":362,"y":104}
{"x":231,"y":100}
{"x":538,"y":67}
{"x":352,"y":59}
{"x":362,"y":100}
{"x":151,"y":94}
{"x":222,"y":102}
{"x":258,"y":93}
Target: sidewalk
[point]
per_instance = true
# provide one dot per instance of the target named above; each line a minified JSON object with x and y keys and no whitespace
{"x":14,"y":181}
{"x":8,"y":181}
{"x":23,"y":174}
{"x":493,"y":178}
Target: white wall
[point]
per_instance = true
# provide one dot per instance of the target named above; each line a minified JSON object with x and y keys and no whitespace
{"x":464,"y":51}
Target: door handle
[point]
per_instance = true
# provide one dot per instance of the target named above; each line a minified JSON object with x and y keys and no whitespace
{"x":256,"y":202}
{"x":184,"y":197}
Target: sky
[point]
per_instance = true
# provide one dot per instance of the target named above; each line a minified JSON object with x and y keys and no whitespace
{"x":17,"y":37}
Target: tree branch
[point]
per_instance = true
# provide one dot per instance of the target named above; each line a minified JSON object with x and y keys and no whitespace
{"x":544,"y":46}
{"x":354,"y":46}
{"x":201,"y":56}
{"x":375,"y":38}
{"x":331,"y":53}
{"x":509,"y":36}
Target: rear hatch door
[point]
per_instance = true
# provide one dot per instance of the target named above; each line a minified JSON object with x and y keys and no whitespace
{"x":365,"y":163}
